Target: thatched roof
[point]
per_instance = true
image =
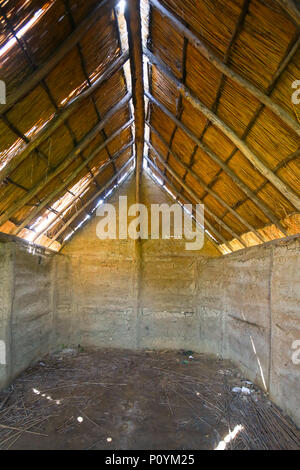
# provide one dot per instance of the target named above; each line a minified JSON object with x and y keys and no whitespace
{"x":220,"y":127}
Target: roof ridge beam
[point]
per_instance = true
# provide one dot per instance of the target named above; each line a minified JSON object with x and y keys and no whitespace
{"x":264,"y":208}
{"x":226,"y":70}
{"x":59,"y":118}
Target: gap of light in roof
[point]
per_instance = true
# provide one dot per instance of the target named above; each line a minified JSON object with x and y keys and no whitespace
{"x":120,"y":10}
{"x":121,"y":6}
{"x":49,"y":216}
{"x":19,"y":34}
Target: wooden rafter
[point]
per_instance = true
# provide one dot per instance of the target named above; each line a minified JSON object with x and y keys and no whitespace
{"x":75,"y":198}
{"x":69,"y":180}
{"x":98,"y":193}
{"x":289,"y":194}
{"x":220,"y":65}
{"x":25,"y":50}
{"x":86,"y":74}
{"x":237,"y":29}
{"x":291,"y":50}
{"x":192,"y":193}
{"x":179,"y":107}
{"x":134,"y":29}
{"x":186,"y":201}
{"x":292,"y":9}
{"x":66,"y":161}
{"x":60,"y":118}
{"x":38,"y":75}
{"x":264,"y":208}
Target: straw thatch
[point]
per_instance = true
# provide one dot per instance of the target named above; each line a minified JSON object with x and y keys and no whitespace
{"x":221,"y":127}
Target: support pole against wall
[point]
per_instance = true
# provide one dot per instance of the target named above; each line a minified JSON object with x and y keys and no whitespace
{"x":134,"y":28}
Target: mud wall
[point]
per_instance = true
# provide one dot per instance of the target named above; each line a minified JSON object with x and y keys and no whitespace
{"x":122,"y":293}
{"x":26,"y":309}
{"x":249,"y":312}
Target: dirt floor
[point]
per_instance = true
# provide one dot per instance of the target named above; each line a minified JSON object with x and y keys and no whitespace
{"x":116,"y":399}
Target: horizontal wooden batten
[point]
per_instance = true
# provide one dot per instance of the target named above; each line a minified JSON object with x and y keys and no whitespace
{"x":181,"y":196}
{"x":196,"y":197}
{"x":291,"y":9}
{"x":100,"y":170}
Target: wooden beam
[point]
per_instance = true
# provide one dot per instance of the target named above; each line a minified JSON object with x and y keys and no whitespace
{"x":226,"y":70}
{"x":50,"y":175}
{"x":134,"y":28}
{"x":264,"y":208}
{"x":181,"y":196}
{"x":60,"y":214}
{"x":38,"y":75}
{"x":65,"y":183}
{"x":98,"y":193}
{"x":204,"y":186}
{"x":290,"y":52}
{"x":85,"y":71}
{"x":292,"y":9}
{"x":287,"y":192}
{"x":60,"y":118}
{"x":196,"y":197}
{"x":39,"y":249}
